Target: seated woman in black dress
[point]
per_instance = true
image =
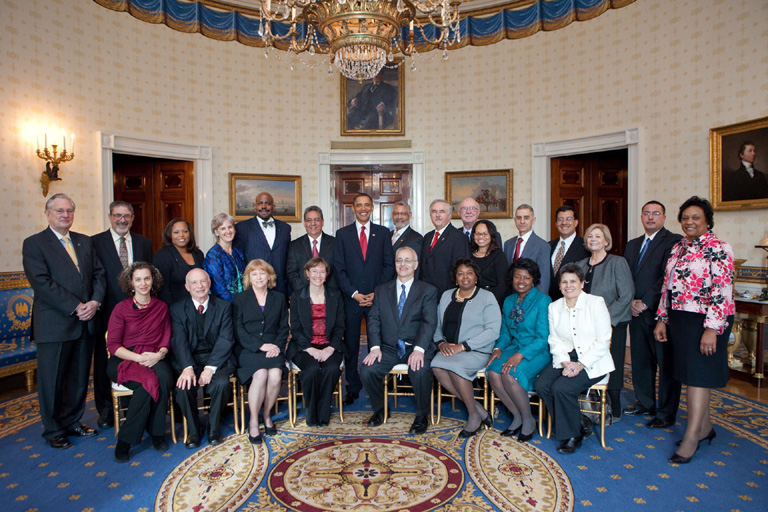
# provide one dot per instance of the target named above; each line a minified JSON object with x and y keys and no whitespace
{"x":261,"y":333}
{"x":178,"y":256}
{"x":490,"y":259}
{"x":317,"y":327}
{"x":138,"y":340}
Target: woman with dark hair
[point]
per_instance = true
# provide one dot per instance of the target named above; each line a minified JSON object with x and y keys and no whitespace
{"x":579,"y":336}
{"x":609,"y":277}
{"x":490,"y":259}
{"x":521,"y":352}
{"x":317,"y":328}
{"x":695,"y":314}
{"x":138,"y":340}
{"x":468,"y":323}
{"x":260,"y":318}
{"x":177,"y":257}
{"x":224,"y":262}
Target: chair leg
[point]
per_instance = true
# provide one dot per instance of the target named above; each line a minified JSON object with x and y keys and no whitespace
{"x":542,"y":415}
{"x":173,"y":421}
{"x":292,"y":398}
{"x":439,"y":402}
{"x":602,"y":418}
{"x":340,"y":401}
{"x":386,"y":398}
{"x":116,"y":411}
{"x":234,"y":408}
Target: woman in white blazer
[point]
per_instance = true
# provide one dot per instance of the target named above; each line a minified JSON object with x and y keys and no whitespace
{"x":579,"y":340}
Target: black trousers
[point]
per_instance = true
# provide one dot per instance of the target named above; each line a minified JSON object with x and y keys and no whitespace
{"x":647,"y":354}
{"x":318,"y":381}
{"x":62,"y":383}
{"x":217,"y":390}
{"x":143,"y":412}
{"x":102,"y":394}
{"x":561,"y":396}
{"x":373,"y":380}
{"x":355,"y":315}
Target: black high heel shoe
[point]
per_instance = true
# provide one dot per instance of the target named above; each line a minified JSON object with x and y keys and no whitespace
{"x":488,"y":421}
{"x":526,"y":437}
{"x":709,"y":437}
{"x":679,"y":459}
{"x":512,"y":432}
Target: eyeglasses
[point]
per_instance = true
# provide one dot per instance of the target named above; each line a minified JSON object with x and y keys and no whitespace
{"x":318,"y":271}
{"x":648,"y":214}
{"x":483,"y":235}
{"x":468,"y":208}
{"x":59,"y":211}
{"x":407,"y":261}
{"x":126,"y":216}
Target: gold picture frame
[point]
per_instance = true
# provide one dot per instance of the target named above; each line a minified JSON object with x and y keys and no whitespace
{"x":366,"y":119}
{"x":286,"y":191}
{"x":492,"y":189}
{"x":731,"y":187}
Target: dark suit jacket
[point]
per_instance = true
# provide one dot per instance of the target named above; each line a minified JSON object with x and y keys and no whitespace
{"x":435,"y":265}
{"x":174,"y":269}
{"x":649,"y":276}
{"x":59,"y":287}
{"x":250,"y":239}
{"x":409,"y":238}
{"x":300,"y":252}
{"x":253,"y":328}
{"x":105,"y":249}
{"x":217,"y":330}
{"x":576,"y":252}
{"x":301,"y":321}
{"x":738,"y":185}
{"x":354,"y":273}
{"x":416,"y":326}
{"x":537,"y":249}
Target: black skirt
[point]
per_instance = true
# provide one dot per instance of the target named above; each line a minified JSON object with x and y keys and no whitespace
{"x":690,"y":366}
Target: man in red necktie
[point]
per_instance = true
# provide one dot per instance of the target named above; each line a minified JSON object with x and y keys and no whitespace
{"x":528,"y":244}
{"x":301,"y":250}
{"x":442,"y":246}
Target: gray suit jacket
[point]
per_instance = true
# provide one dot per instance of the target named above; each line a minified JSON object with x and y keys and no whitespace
{"x":416,"y":326}
{"x":612,"y":280}
{"x":537,"y":249}
{"x":480,"y":321}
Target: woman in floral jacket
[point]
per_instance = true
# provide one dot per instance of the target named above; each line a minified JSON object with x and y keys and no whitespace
{"x":696,"y":314}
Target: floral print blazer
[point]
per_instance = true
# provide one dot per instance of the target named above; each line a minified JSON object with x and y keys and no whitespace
{"x":700,"y":276}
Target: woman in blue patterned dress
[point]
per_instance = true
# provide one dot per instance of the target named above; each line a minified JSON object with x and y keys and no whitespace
{"x":224,"y":262}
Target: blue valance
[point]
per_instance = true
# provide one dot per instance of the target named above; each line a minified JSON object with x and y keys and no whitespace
{"x":510,"y":20}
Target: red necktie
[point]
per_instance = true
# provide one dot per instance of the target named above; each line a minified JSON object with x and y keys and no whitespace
{"x":434,"y":241}
{"x":315,"y":254}
{"x":517,"y":248}
{"x":363,"y":241}
{"x":200,"y":309}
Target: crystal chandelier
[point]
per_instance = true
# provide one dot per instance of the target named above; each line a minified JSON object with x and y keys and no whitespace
{"x":360,"y":36}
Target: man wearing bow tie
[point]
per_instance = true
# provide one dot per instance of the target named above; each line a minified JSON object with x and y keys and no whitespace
{"x":264,"y":237}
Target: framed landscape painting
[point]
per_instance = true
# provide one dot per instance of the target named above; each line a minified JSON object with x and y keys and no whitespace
{"x":286,"y":191}
{"x":492,"y":189}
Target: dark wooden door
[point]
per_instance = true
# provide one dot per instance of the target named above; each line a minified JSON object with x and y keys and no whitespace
{"x":159,"y":191}
{"x":385,"y":186}
{"x":595,"y":185}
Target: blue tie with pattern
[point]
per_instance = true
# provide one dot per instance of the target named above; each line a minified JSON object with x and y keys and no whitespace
{"x":400,"y":306}
{"x":642,"y":252}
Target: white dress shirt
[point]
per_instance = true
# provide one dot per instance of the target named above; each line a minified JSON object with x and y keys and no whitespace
{"x":269,"y":231}
{"x":128,"y":243}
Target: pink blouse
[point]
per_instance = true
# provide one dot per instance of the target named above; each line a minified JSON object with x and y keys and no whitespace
{"x":700,"y":277}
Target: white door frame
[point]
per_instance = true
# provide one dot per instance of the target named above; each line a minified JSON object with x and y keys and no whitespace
{"x":541,"y":165}
{"x":202,"y":174}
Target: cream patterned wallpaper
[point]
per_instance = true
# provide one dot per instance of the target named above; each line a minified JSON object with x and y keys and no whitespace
{"x":672,"y":68}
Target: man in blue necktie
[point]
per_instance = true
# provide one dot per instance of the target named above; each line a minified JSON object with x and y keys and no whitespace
{"x":402,"y":322}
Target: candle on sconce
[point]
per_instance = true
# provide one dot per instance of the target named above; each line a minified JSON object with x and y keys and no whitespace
{"x":46,"y":139}
{"x":64,"y":139}
{"x":37,"y":138}
{"x":73,"y":143}
{"x":411,"y":26}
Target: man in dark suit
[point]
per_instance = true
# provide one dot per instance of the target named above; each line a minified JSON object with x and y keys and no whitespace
{"x":469,"y":213}
{"x":116,"y":248}
{"x":528,"y":244}
{"x":567,"y":248}
{"x":746,"y":182}
{"x":403,"y":235}
{"x":373,"y":108}
{"x":314,"y":243}
{"x":403,"y":319}
{"x":68,"y":281}
{"x":362,"y":259}
{"x":264,"y":237}
{"x":647,"y":257}
{"x":202,"y":354}
{"x":442,"y":246}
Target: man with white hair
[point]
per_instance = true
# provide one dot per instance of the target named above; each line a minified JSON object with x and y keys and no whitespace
{"x":441,"y":247}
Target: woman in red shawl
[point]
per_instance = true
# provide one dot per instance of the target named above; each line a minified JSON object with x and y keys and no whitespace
{"x":138,"y":341}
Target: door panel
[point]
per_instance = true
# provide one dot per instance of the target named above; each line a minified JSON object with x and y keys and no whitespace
{"x":385,"y":186}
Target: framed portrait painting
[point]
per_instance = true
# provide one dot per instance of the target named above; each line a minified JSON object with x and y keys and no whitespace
{"x":285,"y":190}
{"x":492,"y":189}
{"x":376,"y":106}
{"x":739,"y":165}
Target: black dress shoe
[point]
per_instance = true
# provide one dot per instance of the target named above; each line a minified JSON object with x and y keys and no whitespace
{"x":160,"y":444}
{"x":487,"y":421}
{"x":469,"y":433}
{"x":570,"y":445}
{"x":214,"y":437}
{"x":657,"y":423}
{"x":82,"y":431}
{"x":270,"y":431}
{"x":586,"y":426}
{"x":350,"y":398}
{"x":638,"y":410}
{"x":60,"y":442}
{"x":106,"y":420}
{"x":122,"y":451}
{"x":376,"y":419}
{"x":322,"y":424}
{"x":420,"y":425}
{"x":192,"y":442}
{"x":255,"y":439}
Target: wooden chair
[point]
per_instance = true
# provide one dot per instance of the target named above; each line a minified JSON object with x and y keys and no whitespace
{"x":282,"y":397}
{"x":206,"y":406}
{"x":480,"y":385}
{"x":401,"y":389}
{"x":119,"y":391}
{"x":294,"y":393}
{"x":535,"y":401}
{"x":602,"y":390}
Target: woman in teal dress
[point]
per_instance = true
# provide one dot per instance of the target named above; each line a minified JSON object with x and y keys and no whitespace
{"x":522,"y":349}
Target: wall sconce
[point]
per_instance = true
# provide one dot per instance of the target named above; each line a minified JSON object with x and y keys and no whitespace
{"x":53,"y":159}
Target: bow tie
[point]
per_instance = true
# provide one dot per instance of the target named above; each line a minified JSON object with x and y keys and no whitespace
{"x":268,"y":223}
